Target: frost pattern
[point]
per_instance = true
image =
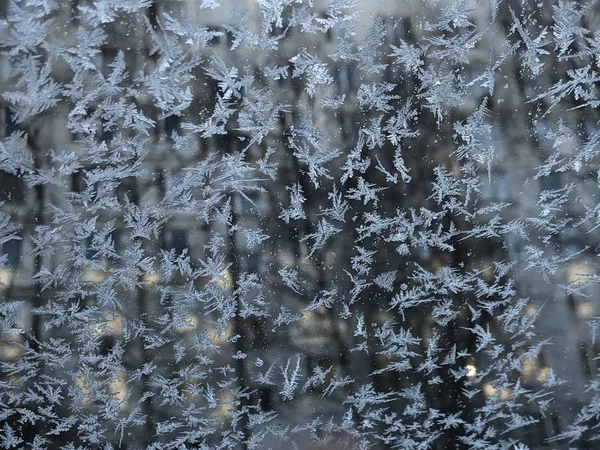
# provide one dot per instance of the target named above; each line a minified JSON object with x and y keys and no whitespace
{"x":243,"y":225}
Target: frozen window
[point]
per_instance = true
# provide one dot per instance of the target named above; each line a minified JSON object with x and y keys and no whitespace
{"x":377,"y":255}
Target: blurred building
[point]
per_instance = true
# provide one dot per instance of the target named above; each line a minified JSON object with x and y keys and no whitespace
{"x":317,"y":338}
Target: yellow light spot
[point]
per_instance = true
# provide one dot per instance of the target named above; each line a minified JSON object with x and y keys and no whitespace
{"x":489,"y":390}
{"x":307,"y":318}
{"x":384,"y":317}
{"x":471,"y":370}
{"x":224,"y":280}
{"x":578,"y":273}
{"x":220,"y":337}
{"x":112,"y":323}
{"x":117,"y":387}
{"x":225,"y":406}
{"x":189,"y":323}
{"x":90,"y":275}
{"x":505,"y":395}
{"x":6,"y":276}
{"x":10,"y":352}
{"x":528,"y":368}
{"x":82,"y":384}
{"x":530,"y":310}
{"x":543,"y":374}
{"x":151,"y":278}
{"x":585,"y":310}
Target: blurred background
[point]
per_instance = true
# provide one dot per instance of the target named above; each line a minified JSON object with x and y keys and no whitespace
{"x":224,"y":305}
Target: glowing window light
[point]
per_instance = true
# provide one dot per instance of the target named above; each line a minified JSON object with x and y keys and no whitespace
{"x":578,"y":273}
{"x":489,"y":390}
{"x":585,"y":310}
{"x":151,"y":278}
{"x":505,"y":394}
{"x":219,"y":336}
{"x":530,"y":310}
{"x":471,"y":370}
{"x":225,"y":406}
{"x":10,"y":352}
{"x":188,"y":323}
{"x":83,"y":386}
{"x":117,"y":388}
{"x":308,"y":318}
{"x":6,"y":277}
{"x":224,"y":280}
{"x":528,"y":368}
{"x":112,"y":323}
{"x":543,"y":374}
{"x":91,"y":275}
